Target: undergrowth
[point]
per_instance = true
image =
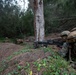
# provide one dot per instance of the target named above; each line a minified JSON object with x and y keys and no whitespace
{"x":51,"y":65}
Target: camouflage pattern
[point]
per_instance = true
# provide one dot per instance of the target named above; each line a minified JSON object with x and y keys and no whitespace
{"x":64,"y":50}
{"x":72,"y":35}
{"x":70,"y":44}
{"x":74,"y":49}
{"x":64,"y":33}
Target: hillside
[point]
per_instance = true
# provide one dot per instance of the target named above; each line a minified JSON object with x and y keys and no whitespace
{"x":24,"y":60}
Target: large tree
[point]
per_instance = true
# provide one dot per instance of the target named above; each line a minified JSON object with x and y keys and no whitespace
{"x":38,"y":20}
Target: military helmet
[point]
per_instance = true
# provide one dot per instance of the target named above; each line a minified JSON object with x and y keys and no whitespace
{"x":74,"y":29}
{"x":72,"y":35}
{"x":64,"y":33}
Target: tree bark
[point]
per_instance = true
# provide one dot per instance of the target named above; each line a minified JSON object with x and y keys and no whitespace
{"x":38,"y":20}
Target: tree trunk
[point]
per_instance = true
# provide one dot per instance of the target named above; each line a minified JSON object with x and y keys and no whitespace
{"x":39,"y":20}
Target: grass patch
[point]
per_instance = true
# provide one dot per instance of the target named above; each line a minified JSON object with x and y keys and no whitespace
{"x":3,"y":66}
{"x":54,"y":66}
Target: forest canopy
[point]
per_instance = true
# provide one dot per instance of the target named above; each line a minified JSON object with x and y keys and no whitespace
{"x":58,"y":14}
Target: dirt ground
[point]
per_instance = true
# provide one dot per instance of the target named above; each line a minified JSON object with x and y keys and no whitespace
{"x":7,"y":49}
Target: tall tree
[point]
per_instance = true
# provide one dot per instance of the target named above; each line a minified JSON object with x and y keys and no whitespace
{"x":38,"y":20}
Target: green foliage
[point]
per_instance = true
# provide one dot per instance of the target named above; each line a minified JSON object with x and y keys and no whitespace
{"x":13,"y":21}
{"x":27,"y":66}
{"x":16,"y":23}
{"x":3,"y":65}
{"x":52,"y":65}
{"x":14,"y":72}
{"x":57,"y":14}
{"x":19,"y":67}
{"x":27,"y":20}
{"x":2,"y":39}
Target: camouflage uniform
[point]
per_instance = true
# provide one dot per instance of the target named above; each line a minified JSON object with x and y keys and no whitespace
{"x":69,"y":46}
{"x":72,"y":44}
{"x":64,"y":49}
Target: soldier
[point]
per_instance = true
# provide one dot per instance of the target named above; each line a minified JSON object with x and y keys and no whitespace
{"x":72,"y":44}
{"x":64,"y":50}
{"x":69,"y":46}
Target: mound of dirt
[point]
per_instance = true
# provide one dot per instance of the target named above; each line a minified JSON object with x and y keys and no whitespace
{"x":6,"y":49}
{"x":23,"y":58}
